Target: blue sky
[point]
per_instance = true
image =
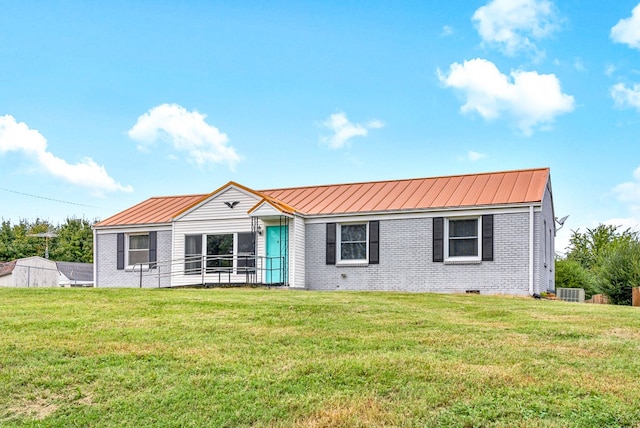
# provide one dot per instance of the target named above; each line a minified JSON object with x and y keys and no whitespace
{"x":104,"y":104}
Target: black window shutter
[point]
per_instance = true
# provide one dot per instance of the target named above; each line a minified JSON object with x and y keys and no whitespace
{"x":120,"y":251}
{"x":331,"y":243}
{"x":374,"y":242}
{"x":487,"y":238}
{"x":438,"y":239}
{"x":153,"y":247}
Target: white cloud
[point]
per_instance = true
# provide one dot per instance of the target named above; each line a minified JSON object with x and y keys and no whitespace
{"x":343,"y":130}
{"x":629,"y":194}
{"x":186,"y":131}
{"x":610,"y":69}
{"x":18,"y":137}
{"x":446,"y":31}
{"x":626,"y":97}
{"x":475,"y":156}
{"x":526,"y":97}
{"x":627,"y":30}
{"x":629,"y":191}
{"x":374,"y":124}
{"x":513,"y":24}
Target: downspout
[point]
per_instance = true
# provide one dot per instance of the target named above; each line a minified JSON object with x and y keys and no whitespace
{"x":95,"y":259}
{"x":173,"y":254}
{"x":530,"y":249}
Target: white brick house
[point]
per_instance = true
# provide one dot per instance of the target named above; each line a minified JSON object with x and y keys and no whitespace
{"x":489,"y":233}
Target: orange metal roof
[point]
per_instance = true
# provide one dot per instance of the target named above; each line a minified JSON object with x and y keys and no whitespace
{"x":159,"y":209}
{"x":496,"y":188}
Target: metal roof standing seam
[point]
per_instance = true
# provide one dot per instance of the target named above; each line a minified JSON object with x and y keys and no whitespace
{"x":521,"y":186}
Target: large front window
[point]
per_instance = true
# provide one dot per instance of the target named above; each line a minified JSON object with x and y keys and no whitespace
{"x":462,"y":237}
{"x":220,"y":253}
{"x":353,"y":242}
{"x":224,"y":253}
{"x":138,"y":249}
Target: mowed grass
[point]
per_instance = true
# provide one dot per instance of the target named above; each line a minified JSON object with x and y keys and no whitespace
{"x":281,"y":358}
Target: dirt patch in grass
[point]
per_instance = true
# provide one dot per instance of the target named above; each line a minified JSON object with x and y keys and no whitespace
{"x":37,"y":408}
{"x":369,"y":412}
{"x":41,"y":407}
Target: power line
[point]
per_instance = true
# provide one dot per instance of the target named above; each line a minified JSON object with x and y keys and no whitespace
{"x":48,"y":199}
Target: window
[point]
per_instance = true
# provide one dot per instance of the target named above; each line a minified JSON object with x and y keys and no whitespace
{"x":246,"y":253}
{"x":544,"y":232}
{"x":462,"y":237}
{"x":467,"y":239}
{"x":138,"y":249}
{"x":353,"y":242}
{"x":193,"y":254}
{"x":220,"y":253}
{"x":357,"y":243}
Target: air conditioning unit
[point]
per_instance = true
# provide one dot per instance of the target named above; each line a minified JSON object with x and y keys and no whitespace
{"x":570,"y":294}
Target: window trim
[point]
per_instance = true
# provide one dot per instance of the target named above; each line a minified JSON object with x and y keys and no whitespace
{"x":545,"y":244}
{"x":243,"y":270}
{"x":215,"y":270}
{"x":187,"y":270}
{"x":127,"y":251}
{"x":359,"y":262}
{"x":221,"y":258}
{"x":478,"y":237}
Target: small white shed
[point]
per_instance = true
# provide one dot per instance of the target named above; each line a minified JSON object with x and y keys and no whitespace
{"x":29,"y":272}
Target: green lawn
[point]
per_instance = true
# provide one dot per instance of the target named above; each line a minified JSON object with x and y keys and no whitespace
{"x":255,"y":357}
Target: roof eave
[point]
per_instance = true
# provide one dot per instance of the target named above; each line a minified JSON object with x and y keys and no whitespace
{"x":128,"y":225}
{"x":426,"y":210}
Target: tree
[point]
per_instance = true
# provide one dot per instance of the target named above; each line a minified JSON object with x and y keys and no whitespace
{"x":619,"y":271}
{"x":16,"y":242}
{"x":585,"y":248}
{"x":601,"y":260}
{"x":74,"y":242}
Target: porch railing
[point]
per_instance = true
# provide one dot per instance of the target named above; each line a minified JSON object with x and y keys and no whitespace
{"x":218,"y":270}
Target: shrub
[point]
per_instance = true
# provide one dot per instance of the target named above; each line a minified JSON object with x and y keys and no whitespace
{"x":619,"y":271}
{"x":571,"y":274}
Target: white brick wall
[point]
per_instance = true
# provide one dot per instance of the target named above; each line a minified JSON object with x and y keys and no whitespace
{"x":546,"y":273}
{"x":108,"y":276}
{"x":406,"y":261}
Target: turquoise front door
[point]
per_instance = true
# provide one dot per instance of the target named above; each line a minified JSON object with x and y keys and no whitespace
{"x":277,"y":266}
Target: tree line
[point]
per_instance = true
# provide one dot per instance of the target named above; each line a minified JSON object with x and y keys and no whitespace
{"x":603,"y":260}
{"x":73,"y":241}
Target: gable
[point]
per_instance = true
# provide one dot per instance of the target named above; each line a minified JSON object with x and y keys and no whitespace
{"x":268,"y":208}
{"x":228,"y":202}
